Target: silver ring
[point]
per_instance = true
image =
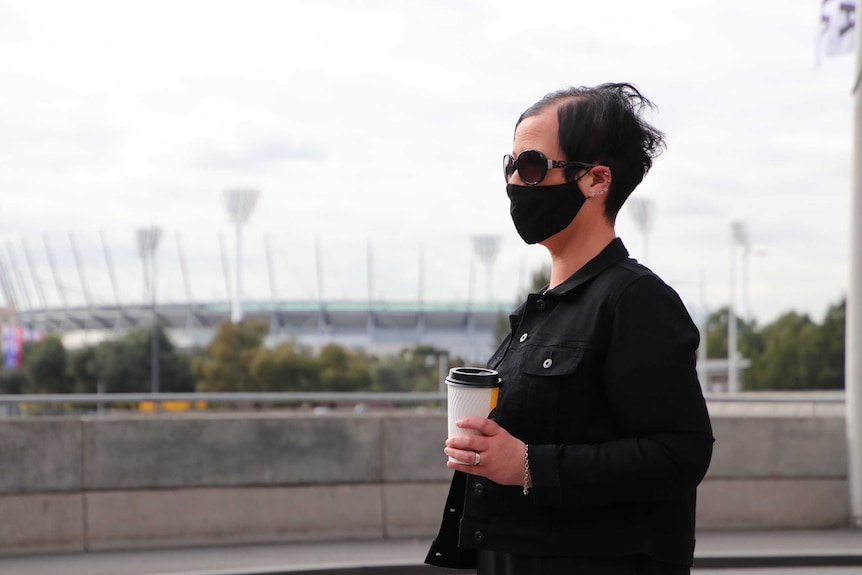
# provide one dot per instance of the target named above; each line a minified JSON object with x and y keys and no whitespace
{"x":477,"y":459}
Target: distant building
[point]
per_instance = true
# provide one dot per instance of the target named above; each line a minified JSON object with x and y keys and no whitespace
{"x":380,"y":328}
{"x":715,"y":374}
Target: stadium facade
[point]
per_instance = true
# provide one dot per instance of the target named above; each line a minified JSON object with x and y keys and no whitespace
{"x":462,"y":329}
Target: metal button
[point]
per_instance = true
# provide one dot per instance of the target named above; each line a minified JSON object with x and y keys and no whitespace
{"x":523,"y":338}
{"x":479,"y":489}
{"x":479,"y":536}
{"x":540,"y":304}
{"x":547,"y":363}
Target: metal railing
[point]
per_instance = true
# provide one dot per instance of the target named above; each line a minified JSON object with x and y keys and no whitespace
{"x":363,"y":396}
{"x":11,"y":403}
{"x":232,"y":397}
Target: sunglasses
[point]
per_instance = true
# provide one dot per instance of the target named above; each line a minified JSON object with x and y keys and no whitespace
{"x":533,"y":166}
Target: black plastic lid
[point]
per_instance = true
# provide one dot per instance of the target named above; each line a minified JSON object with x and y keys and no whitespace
{"x":473,"y":376}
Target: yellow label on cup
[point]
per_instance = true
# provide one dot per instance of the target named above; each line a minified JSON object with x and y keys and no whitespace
{"x":493,"y":403}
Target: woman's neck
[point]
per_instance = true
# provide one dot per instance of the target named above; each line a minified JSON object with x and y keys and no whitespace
{"x":569,"y":254}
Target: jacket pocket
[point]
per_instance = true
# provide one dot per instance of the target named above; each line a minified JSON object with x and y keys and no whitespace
{"x":553,"y":360}
{"x":556,"y":391}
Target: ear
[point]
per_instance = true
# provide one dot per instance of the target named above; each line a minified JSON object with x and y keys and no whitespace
{"x":599,"y":181}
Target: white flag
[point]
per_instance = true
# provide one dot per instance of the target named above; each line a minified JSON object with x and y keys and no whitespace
{"x":837,"y":20}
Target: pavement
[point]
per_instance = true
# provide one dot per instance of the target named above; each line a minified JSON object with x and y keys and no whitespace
{"x":795,"y":552}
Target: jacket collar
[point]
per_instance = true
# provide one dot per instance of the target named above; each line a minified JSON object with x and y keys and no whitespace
{"x":613,"y":253}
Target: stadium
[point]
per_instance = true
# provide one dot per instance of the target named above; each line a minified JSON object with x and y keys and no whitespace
{"x":82,"y":287}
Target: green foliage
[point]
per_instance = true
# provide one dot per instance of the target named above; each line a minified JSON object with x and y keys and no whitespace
{"x":791,"y":353}
{"x":284,"y":369}
{"x":749,"y":338}
{"x":224,"y":365}
{"x":44,"y":364}
{"x":13,"y":381}
{"x":341,"y":370}
{"x":789,"y":357}
{"x":413,"y":370}
{"x":81,"y":365}
{"x":125,"y":365}
{"x":830,"y":346}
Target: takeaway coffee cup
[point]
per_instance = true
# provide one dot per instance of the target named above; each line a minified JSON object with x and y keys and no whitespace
{"x":470,"y":391}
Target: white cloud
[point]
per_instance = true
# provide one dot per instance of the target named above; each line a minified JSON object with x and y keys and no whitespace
{"x":385,"y":122}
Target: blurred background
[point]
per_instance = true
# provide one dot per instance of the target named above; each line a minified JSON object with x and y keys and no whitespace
{"x":367,"y":139}
{"x":279,"y":197}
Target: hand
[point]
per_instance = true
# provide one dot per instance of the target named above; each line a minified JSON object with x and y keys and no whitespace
{"x":501,"y":455}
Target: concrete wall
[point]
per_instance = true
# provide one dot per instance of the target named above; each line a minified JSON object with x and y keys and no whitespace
{"x":170,"y":480}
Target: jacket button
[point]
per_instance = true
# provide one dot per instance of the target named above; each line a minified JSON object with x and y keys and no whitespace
{"x":523,"y":338}
{"x":479,"y":489}
{"x":547,"y":363}
{"x":479,"y":536}
{"x":540,"y":304}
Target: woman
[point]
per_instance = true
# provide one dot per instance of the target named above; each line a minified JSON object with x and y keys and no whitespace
{"x":591,"y":459}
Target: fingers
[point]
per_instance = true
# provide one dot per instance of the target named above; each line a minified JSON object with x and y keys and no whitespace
{"x":463,"y":457}
{"x":486,"y":429}
{"x":468,"y":443}
{"x":483,"y":425}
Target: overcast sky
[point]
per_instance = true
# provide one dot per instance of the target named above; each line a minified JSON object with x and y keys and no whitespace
{"x":378,"y":127}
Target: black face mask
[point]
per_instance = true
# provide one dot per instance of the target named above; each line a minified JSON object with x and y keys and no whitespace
{"x":542,"y":211}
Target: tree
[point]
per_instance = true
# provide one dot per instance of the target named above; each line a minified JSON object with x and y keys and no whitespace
{"x":125,"y":365}
{"x":12,"y":381}
{"x":749,"y":343}
{"x":224,"y":365}
{"x":82,"y":368}
{"x":286,"y":368}
{"x":44,"y":364}
{"x":830,"y":348}
{"x":342,"y":370}
{"x":412,"y":370}
{"x":789,"y":360}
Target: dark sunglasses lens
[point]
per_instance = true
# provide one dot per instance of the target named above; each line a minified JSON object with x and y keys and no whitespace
{"x":532,"y":167}
{"x":508,"y":167}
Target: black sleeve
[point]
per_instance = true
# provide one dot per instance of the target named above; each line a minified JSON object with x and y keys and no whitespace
{"x":651,"y":384}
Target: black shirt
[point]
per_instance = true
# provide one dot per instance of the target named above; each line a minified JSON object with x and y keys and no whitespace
{"x":599,"y":380}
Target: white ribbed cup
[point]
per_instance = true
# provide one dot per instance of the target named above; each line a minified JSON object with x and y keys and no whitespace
{"x":471,"y":391}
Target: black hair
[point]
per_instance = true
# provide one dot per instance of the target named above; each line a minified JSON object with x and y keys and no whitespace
{"x":603,"y":125}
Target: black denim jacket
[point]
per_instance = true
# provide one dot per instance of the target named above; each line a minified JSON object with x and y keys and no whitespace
{"x":599,"y":380}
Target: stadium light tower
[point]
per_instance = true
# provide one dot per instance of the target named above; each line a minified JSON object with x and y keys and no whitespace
{"x":643,"y":212}
{"x":240,"y":204}
{"x":739,"y":238}
{"x":486,"y":248}
{"x":148,"y":239}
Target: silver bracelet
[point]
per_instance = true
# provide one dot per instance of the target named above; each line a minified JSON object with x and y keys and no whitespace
{"x":526,"y":469}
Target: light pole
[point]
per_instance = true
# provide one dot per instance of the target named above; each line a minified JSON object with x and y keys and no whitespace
{"x":853,"y":337}
{"x":148,"y":239}
{"x":643,"y":212}
{"x":240,"y":204}
{"x":486,"y":248}
{"x":739,"y":232}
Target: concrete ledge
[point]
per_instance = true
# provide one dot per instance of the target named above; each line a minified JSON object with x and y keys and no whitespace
{"x":235,"y":450}
{"x":124,"y":482}
{"x":413,"y":509}
{"x":412,"y":449}
{"x":779,"y":447}
{"x":772,"y":503}
{"x":183,"y":517}
{"x":40,"y":455}
{"x":41,"y":522}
